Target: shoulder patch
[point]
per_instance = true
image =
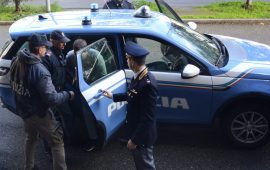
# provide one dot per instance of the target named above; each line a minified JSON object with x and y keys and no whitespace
{"x":143,"y":73}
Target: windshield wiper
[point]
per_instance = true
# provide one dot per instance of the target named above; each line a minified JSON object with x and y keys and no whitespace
{"x":221,"y":49}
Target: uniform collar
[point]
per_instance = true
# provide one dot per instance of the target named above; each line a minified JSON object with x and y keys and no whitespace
{"x":136,"y":74}
{"x":140,"y":74}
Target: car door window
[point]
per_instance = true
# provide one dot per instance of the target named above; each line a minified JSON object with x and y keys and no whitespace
{"x":98,"y":60}
{"x":163,"y":57}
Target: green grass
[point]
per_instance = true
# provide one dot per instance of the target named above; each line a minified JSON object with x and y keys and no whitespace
{"x":7,"y":13}
{"x":231,"y":10}
{"x":221,"y":10}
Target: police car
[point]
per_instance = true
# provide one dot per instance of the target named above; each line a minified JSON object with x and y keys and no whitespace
{"x":201,"y":78}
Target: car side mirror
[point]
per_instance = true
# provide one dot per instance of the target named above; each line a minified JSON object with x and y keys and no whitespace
{"x":190,"y":71}
{"x":192,"y":25}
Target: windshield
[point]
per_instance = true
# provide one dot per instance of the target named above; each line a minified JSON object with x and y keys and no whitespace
{"x":198,"y":43}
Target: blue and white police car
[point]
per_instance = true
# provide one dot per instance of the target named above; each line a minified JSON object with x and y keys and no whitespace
{"x":201,"y":78}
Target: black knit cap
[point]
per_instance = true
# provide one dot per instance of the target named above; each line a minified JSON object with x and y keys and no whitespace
{"x":38,"y":40}
{"x":59,"y":36}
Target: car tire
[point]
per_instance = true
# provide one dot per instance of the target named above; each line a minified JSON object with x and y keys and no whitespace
{"x":247,"y":126}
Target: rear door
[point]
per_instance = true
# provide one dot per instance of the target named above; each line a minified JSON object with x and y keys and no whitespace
{"x":9,"y":50}
{"x":98,"y":70}
{"x":5,"y":90}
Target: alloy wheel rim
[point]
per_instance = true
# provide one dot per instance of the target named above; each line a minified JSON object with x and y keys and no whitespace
{"x":249,"y":127}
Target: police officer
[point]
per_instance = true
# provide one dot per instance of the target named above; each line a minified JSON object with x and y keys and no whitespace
{"x":55,"y":61}
{"x":34,"y":95}
{"x":142,"y":99}
{"x":118,"y":4}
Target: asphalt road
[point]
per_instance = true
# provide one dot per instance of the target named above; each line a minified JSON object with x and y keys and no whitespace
{"x":177,"y":147}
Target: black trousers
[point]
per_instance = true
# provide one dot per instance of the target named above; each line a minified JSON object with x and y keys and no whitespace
{"x":143,"y":158}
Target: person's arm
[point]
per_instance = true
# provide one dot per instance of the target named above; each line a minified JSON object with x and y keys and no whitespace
{"x":115,"y":97}
{"x":120,"y":97}
{"x":147,"y":118}
{"x":48,"y":93}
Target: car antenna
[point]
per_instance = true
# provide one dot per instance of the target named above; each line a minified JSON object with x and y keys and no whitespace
{"x":108,"y":7}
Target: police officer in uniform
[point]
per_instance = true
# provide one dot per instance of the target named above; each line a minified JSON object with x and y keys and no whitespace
{"x":55,"y":62}
{"x":34,"y":95}
{"x":142,"y":99}
{"x":118,"y":4}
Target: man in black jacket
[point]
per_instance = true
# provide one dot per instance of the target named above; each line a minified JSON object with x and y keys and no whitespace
{"x":34,"y":95}
{"x":118,"y":4}
{"x":142,"y":99}
{"x":55,"y":62}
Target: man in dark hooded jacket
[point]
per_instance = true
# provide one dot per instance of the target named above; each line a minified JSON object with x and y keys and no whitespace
{"x":34,"y":95}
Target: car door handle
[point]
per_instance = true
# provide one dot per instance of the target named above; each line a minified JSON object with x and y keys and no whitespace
{"x":3,"y":71}
{"x":99,"y":93}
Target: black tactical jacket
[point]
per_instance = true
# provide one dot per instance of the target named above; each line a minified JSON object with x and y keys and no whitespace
{"x":55,"y":62}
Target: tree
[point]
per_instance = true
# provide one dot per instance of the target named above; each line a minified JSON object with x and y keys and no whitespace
{"x":248,"y":4}
{"x":17,"y":4}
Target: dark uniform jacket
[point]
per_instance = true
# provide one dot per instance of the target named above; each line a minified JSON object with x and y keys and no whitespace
{"x":112,"y":4}
{"x":32,"y":86}
{"x":142,"y":99}
{"x":55,"y":62}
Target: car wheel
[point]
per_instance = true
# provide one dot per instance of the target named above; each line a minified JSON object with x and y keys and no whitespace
{"x":247,"y":127}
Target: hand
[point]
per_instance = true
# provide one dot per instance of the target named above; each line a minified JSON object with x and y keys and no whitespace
{"x":72,"y":94}
{"x":131,"y":145}
{"x":108,"y":94}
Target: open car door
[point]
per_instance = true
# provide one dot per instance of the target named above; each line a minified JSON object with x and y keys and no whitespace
{"x":5,"y":89}
{"x":97,"y":70}
{"x":167,"y":10}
